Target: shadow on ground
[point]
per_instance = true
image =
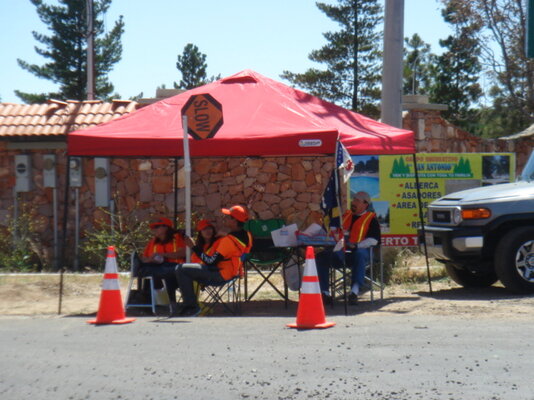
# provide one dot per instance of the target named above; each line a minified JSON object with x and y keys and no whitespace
{"x":277,"y":308}
{"x":266,"y":308}
{"x":487,"y":293}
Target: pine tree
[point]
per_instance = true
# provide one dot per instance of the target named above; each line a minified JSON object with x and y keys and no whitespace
{"x":66,"y":50}
{"x":352,"y":56}
{"x":192,"y":65}
{"x":418,"y":62}
{"x":509,"y":71}
{"x":457,"y":70}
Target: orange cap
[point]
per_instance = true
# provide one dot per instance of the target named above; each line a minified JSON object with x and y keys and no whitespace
{"x":161,"y":221}
{"x":203,"y":224}
{"x":238,"y":212}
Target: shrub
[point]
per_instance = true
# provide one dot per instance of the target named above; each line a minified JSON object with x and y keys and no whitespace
{"x":123,"y":230}
{"x":21,"y":247}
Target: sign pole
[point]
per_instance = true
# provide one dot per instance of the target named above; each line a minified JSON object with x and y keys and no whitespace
{"x":204,"y":114}
{"x":187,"y":169}
{"x":422,"y":221}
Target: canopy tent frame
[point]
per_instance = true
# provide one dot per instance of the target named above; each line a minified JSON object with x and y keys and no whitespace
{"x":262,"y":117}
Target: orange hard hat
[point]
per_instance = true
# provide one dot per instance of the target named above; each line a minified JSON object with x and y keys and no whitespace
{"x":203,"y":224}
{"x":238,"y":212}
{"x":161,"y":221}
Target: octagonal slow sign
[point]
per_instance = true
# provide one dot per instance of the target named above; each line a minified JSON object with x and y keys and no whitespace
{"x":204,"y":116}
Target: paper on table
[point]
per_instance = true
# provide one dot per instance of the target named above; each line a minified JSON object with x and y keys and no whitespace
{"x":314,"y":230}
{"x":285,"y":236}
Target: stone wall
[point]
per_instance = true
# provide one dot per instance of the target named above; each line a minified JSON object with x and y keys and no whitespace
{"x":271,"y":187}
{"x":38,"y":202}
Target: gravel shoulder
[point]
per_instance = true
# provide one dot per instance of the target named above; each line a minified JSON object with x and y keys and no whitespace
{"x":38,"y":294}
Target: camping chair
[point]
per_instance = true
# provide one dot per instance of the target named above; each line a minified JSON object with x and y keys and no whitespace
{"x":227,"y":294}
{"x":340,"y":279}
{"x":263,"y":254}
{"x":135,"y":297}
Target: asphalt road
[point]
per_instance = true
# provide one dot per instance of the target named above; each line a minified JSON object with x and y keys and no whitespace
{"x":362,"y":357}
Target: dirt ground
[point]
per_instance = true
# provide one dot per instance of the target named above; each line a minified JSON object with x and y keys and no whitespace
{"x":38,"y":294}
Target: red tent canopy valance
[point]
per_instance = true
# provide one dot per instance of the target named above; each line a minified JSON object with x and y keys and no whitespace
{"x":262,"y":117}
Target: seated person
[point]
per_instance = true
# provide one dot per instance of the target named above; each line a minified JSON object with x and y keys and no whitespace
{"x":218,"y":264}
{"x":363,"y":232}
{"x":206,"y":237}
{"x":161,"y":254}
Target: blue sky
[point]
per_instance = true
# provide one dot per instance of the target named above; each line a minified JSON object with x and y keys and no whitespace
{"x":266,"y":36}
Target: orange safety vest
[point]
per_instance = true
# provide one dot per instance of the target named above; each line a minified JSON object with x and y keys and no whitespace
{"x":232,"y":249}
{"x":359,"y":228}
{"x":170,"y":247}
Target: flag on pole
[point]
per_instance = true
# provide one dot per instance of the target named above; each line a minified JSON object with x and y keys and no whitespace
{"x":332,"y":211}
{"x":331,"y":196}
{"x":330,"y":203}
{"x":344,"y":162}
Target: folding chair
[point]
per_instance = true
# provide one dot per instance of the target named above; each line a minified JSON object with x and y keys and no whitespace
{"x":264,"y":254}
{"x":340,"y":279}
{"x":227,"y":294}
{"x":133,"y":296}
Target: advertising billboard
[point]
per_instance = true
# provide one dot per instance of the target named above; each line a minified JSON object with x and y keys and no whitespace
{"x":390,"y":181}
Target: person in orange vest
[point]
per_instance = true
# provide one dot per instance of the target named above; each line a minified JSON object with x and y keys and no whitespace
{"x":206,"y":237}
{"x":362,"y":231}
{"x":222,"y":262}
{"x":161,"y":254}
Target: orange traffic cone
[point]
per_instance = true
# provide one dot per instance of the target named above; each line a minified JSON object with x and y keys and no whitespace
{"x":310,"y":312}
{"x":110,"y":310}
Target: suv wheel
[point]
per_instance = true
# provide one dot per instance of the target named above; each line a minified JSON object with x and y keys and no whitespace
{"x":467,"y":279}
{"x":514,"y":260}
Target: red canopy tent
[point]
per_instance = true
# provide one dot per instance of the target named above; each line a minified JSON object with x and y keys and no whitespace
{"x":262,"y":117}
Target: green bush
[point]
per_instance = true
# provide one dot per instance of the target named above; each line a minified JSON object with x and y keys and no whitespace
{"x":21,"y":247}
{"x":127,"y":234}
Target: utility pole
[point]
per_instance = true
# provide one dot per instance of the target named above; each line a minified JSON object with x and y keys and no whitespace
{"x":391,"y":109}
{"x":90,"y":51}
{"x":529,"y":43}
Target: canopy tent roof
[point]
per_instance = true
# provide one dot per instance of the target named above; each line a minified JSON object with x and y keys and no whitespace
{"x":261,"y":117}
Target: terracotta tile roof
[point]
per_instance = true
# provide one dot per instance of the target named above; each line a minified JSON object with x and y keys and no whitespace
{"x":56,"y":118}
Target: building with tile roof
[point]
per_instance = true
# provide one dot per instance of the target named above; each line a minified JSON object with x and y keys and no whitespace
{"x":55,"y":119}
{"x":37,"y":133}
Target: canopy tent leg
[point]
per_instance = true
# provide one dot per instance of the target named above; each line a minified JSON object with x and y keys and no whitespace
{"x":175,"y":190}
{"x":421,"y":220}
{"x":187,"y":170}
{"x":62,"y":244}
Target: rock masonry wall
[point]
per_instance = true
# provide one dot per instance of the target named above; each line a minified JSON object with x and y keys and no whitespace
{"x":271,"y":187}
